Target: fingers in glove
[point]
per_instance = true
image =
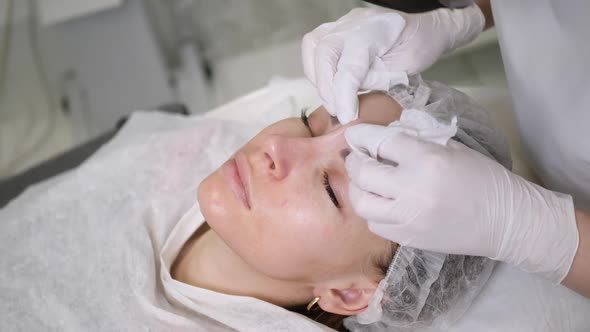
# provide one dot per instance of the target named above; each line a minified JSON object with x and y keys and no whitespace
{"x":380,"y":77}
{"x":327,"y":55}
{"x":392,"y":220}
{"x":346,"y":101}
{"x":369,"y":206}
{"x":391,"y":232}
{"x":309,"y":44}
{"x":406,"y":148}
{"x":352,"y":68}
{"x":371,"y":175}
{"x":367,"y":138}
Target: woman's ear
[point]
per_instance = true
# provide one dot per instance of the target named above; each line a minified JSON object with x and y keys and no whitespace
{"x":346,"y":301}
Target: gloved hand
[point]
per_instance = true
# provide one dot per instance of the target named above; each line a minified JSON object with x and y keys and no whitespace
{"x":375,"y":49}
{"x":455,"y":200}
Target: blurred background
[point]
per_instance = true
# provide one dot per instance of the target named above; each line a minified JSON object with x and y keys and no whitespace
{"x":70,"y":69}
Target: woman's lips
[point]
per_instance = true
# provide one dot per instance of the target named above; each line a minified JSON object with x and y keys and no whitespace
{"x":244,"y":172}
{"x":236,"y":174}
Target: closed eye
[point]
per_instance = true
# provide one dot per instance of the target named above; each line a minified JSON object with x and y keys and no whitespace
{"x":305,"y":120}
{"x":330,"y":191}
{"x":326,"y":180}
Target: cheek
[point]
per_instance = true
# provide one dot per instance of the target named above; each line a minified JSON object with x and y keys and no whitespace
{"x":281,"y":236}
{"x":296,"y":213}
{"x":291,"y":236}
{"x":295,"y":203}
{"x":298,"y":203}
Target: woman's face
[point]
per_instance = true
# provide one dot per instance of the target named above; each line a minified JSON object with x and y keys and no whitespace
{"x":281,"y":202}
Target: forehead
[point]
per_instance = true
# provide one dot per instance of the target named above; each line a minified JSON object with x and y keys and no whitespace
{"x":374,"y":108}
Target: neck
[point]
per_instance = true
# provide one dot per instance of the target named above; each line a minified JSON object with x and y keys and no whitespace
{"x":207,"y":262}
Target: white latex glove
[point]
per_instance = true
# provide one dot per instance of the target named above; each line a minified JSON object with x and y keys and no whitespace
{"x":375,"y":49}
{"x":455,"y":200}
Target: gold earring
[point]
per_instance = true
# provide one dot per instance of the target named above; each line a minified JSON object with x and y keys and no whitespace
{"x":312,"y":303}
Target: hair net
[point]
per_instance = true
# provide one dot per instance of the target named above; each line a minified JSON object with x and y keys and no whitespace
{"x":429,"y":290}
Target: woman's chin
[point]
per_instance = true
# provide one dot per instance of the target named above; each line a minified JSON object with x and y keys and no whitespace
{"x":213,"y":201}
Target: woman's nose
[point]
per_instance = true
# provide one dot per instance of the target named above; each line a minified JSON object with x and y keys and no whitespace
{"x":278,"y":156}
{"x":282,"y":155}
